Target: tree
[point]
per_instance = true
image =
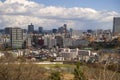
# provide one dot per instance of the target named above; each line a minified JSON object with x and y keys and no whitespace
{"x":78,"y":73}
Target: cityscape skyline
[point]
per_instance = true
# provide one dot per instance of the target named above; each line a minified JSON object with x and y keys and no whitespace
{"x":59,"y":40}
{"x":48,"y":14}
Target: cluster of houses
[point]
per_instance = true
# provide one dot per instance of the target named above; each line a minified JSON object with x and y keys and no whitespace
{"x":64,"y":54}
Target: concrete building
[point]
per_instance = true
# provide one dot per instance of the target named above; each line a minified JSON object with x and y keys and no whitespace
{"x":84,"y":55}
{"x":54,"y":31}
{"x":67,"y":42}
{"x":40,"y":30}
{"x":80,"y":42}
{"x":30,"y":28}
{"x":116,"y":25}
{"x":5,"y":40}
{"x":16,"y":37}
{"x":49,"y":41}
{"x":74,"y":54}
{"x":107,"y":35}
{"x":59,"y":41}
{"x":52,"y":42}
{"x":68,"y":54}
{"x":7,"y":30}
{"x":2,"y":31}
{"x":29,"y":40}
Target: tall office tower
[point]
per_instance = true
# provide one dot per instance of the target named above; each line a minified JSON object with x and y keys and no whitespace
{"x":16,"y":37}
{"x":30,"y":28}
{"x":24,"y":30}
{"x":7,"y":30}
{"x":71,"y":31}
{"x":116,"y":25}
{"x":54,"y":31}
{"x":40,"y":30}
{"x":61,"y":29}
{"x":65,"y":30}
{"x":65,"y":26}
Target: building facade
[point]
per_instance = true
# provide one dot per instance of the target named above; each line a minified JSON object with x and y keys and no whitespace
{"x":116,"y":25}
{"x":16,"y":37}
{"x":30,"y":28}
{"x":7,"y":30}
{"x":40,"y":30}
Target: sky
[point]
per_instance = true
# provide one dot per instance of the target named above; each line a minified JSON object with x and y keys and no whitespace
{"x":77,"y":14}
{"x":95,"y":4}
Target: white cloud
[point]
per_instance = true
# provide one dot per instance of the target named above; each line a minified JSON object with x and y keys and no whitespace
{"x":23,"y":12}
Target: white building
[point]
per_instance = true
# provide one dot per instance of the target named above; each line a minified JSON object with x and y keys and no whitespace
{"x":74,"y":54}
{"x":69,"y":54}
{"x":49,"y":40}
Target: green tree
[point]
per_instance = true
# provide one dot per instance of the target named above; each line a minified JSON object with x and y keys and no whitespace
{"x":78,"y":73}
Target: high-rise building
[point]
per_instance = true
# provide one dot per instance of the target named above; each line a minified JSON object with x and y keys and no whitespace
{"x":7,"y":30}
{"x":65,"y":26}
{"x":49,"y":41}
{"x":40,"y":30}
{"x":2,"y":31}
{"x":16,"y":37}
{"x":59,"y":41}
{"x":30,"y":28}
{"x":54,"y":31}
{"x":116,"y":25}
{"x":63,"y":29}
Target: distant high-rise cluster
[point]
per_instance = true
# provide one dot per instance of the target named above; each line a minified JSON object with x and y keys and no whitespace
{"x":61,"y":37}
{"x":60,"y":44}
{"x":63,"y":29}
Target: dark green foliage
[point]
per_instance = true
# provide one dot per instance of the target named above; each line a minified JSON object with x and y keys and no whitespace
{"x":102,"y":45}
{"x":78,"y":73}
{"x":55,"y":76}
